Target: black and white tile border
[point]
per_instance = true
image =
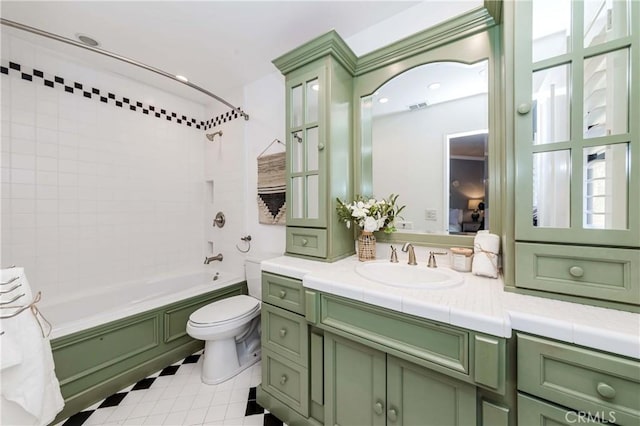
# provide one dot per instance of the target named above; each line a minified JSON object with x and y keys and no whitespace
{"x":114,"y":400}
{"x":17,"y":70}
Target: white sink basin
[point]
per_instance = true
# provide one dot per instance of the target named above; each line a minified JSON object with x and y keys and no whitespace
{"x":411,"y":276}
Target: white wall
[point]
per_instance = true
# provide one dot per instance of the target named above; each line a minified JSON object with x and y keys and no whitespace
{"x":94,"y":194}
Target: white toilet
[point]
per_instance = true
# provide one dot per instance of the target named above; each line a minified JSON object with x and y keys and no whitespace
{"x":231,"y":330}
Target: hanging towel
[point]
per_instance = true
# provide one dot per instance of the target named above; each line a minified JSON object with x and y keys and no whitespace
{"x":271,"y":189}
{"x":486,"y":247}
{"x":30,"y":389}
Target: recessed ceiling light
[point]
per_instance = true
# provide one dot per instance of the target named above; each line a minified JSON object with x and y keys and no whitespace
{"x":315,"y":87}
{"x":182,"y":78}
{"x":434,"y":86}
{"x":383,"y":100}
{"x":88,"y":40}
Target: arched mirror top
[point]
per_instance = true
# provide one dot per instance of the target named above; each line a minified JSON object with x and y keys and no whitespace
{"x":408,"y":115}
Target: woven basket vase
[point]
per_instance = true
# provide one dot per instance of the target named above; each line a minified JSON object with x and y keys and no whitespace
{"x":366,"y":246}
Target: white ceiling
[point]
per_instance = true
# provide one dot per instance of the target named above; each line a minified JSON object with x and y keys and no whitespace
{"x":219,"y":45}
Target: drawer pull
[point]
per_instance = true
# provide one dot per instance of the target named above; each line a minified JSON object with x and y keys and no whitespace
{"x":606,"y":391}
{"x":524,"y":108}
{"x":392,"y":415}
{"x":576,"y":271}
{"x":320,"y":146}
{"x":304,"y":242}
{"x":378,"y":408}
{"x":283,"y":379}
{"x":283,"y":332}
{"x":282,"y":294}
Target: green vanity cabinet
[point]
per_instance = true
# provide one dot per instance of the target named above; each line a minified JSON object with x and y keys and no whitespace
{"x":576,"y":109}
{"x":292,"y":363}
{"x":365,"y":386}
{"x":318,"y":88}
{"x":560,"y":383}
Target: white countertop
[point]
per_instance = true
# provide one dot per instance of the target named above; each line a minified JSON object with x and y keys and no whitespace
{"x":479,"y":304}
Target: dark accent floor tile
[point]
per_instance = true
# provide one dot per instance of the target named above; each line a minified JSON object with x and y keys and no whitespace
{"x":144,"y":384}
{"x":191,"y":359}
{"x":253,"y":408}
{"x":271,"y":420}
{"x":252,"y":394}
{"x":170,"y":370}
{"x":78,"y":419}
{"x":113,"y":400}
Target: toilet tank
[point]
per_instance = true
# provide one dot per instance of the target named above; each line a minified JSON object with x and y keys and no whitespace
{"x":253,"y":274}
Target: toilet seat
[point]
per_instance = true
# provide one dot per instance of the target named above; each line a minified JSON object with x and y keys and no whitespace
{"x":225,"y":311}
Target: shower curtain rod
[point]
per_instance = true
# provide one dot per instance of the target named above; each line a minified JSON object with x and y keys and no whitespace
{"x":120,"y":58}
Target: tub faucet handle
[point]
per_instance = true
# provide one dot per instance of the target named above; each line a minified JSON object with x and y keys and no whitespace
{"x":208,"y":260}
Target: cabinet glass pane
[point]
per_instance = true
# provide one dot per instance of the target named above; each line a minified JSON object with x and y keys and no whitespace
{"x":551,"y":189}
{"x":313,"y":88}
{"x":296,"y":203}
{"x":551,"y":28}
{"x":605,"y":20}
{"x":296,"y":106}
{"x":313,"y":211}
{"x":297,"y":152}
{"x":312,"y":149}
{"x":606,"y":94}
{"x":551,"y":105}
{"x":605,"y":171}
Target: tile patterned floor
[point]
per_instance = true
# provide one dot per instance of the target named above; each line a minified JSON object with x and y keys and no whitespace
{"x":176,"y":396}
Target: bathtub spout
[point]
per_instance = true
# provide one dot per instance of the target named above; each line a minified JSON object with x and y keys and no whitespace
{"x":208,"y":260}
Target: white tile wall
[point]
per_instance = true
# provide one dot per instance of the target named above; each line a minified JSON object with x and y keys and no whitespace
{"x":92,"y":194}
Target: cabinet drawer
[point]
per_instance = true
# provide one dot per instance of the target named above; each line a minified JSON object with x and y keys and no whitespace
{"x":284,"y":292}
{"x":594,"y":272}
{"x":534,"y":412}
{"x":286,"y":381}
{"x":579,"y":378}
{"x":307,"y":241}
{"x":286,"y":334}
{"x":439,"y":344}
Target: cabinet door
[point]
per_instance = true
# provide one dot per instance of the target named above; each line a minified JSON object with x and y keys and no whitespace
{"x":418,"y":396}
{"x":577,"y":131}
{"x":354,"y":383}
{"x":306,"y":139}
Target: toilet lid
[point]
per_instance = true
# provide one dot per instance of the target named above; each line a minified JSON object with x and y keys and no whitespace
{"x":225,"y":310}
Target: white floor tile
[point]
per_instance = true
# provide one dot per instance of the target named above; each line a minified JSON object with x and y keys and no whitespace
{"x":121,"y":413}
{"x":143,"y":409}
{"x":215,"y":413}
{"x":182,"y":403}
{"x":155,"y":420}
{"x":240,"y":395}
{"x":175,"y":418}
{"x":136,"y":421}
{"x":195,"y":416}
{"x":236,"y":410}
{"x":163,"y":406}
{"x":100,"y":416}
{"x":132,"y":398}
{"x":202,"y":401}
{"x":234,"y":422}
{"x":221,"y":397}
{"x":152,"y":395}
{"x":255,"y":420}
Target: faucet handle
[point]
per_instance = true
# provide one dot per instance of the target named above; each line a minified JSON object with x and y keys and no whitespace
{"x":431,"y":263}
{"x":394,"y":255}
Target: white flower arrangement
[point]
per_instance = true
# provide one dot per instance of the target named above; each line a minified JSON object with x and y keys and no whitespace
{"x":370,"y":214}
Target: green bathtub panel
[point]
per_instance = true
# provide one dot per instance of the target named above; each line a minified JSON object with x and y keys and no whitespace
{"x":440,"y":344}
{"x":111,"y":345}
{"x":94,"y":363}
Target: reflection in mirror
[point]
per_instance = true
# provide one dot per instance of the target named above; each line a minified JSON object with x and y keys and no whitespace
{"x":551,"y":189}
{"x":468,"y":203}
{"x":405,"y":125}
{"x":606,"y":186}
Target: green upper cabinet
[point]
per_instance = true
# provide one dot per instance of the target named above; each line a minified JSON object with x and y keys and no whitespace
{"x":577,"y":121}
{"x":319,"y":86}
{"x":577,"y":148}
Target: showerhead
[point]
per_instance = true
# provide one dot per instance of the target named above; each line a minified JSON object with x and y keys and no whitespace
{"x":210,"y":136}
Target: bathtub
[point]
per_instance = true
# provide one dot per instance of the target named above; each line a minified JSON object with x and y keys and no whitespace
{"x":106,"y":340}
{"x":78,"y":313}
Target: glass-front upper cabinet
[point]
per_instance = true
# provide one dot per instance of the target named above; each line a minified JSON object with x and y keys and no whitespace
{"x":577,"y":99}
{"x":305,"y":147}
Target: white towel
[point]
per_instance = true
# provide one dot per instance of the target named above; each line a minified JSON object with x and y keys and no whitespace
{"x":31,"y":383}
{"x":486,"y":247}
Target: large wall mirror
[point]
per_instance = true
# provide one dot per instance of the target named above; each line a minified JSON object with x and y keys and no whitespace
{"x":425,"y":133}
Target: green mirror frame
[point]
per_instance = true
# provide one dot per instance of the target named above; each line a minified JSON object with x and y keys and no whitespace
{"x":469,"y":38}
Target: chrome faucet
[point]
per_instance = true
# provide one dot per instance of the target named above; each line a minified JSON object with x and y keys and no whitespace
{"x":408,"y":247}
{"x":208,"y":260}
{"x":431,"y":263}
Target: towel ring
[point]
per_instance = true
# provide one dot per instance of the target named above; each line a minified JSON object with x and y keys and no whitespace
{"x":246,"y":239}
